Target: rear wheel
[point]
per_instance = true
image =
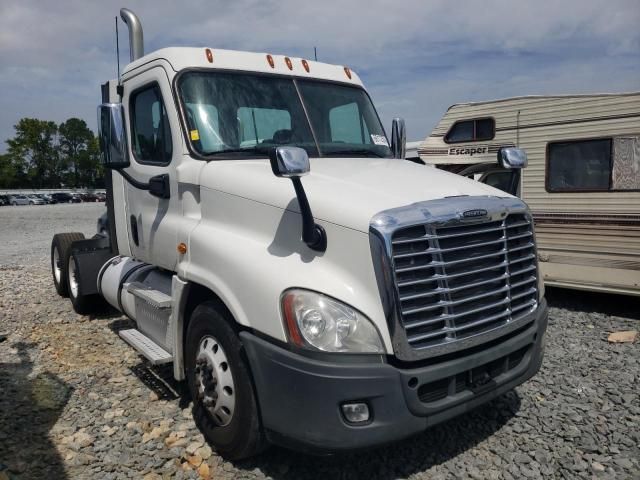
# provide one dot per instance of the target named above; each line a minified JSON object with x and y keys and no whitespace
{"x":82,"y":304}
{"x":224,"y":402}
{"x":60,"y":252}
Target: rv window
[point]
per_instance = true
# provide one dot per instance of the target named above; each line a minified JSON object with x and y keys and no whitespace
{"x":151,"y":136}
{"x":471,"y":130}
{"x":579,"y":165}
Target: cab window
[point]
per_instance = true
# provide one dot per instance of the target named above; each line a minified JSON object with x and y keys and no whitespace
{"x":150,"y":133}
{"x":471,"y":130}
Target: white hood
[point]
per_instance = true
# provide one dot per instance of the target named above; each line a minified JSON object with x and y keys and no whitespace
{"x":344,"y":191}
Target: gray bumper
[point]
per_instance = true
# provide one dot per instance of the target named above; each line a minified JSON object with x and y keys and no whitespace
{"x":300,"y":397}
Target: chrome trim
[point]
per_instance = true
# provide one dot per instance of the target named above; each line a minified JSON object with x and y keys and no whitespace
{"x":439,"y":213}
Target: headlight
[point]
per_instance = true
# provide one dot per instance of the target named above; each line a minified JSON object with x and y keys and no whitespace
{"x":316,"y":321}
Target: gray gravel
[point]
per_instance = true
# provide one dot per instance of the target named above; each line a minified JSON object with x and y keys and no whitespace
{"x":76,"y":402}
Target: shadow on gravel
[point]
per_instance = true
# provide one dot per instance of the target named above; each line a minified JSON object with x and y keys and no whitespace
{"x":402,"y":459}
{"x":594,"y":302}
{"x":29,"y":407}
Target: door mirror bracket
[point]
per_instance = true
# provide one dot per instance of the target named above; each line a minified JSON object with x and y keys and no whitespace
{"x":293,"y":162}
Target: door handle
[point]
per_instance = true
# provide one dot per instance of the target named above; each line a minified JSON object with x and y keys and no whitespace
{"x":159,"y":186}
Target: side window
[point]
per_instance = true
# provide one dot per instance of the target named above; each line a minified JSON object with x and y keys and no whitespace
{"x":204,"y":130}
{"x":150,"y":133}
{"x":579,"y":165}
{"x":471,"y":131}
{"x":264,"y":125}
{"x":346,"y":124}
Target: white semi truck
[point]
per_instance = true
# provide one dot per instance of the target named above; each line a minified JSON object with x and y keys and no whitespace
{"x":368,"y":301}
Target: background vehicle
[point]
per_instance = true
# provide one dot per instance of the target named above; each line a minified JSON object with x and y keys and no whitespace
{"x":89,"y":197}
{"x":35,"y":200}
{"x":582,"y":183}
{"x":366,"y":301}
{"x":4,"y":200}
{"x":18,"y":200}
{"x":62,"y":197}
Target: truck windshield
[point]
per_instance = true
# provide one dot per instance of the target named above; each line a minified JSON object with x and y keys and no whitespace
{"x":244,"y":115}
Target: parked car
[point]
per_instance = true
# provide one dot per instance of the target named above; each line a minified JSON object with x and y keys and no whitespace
{"x":35,"y":200}
{"x":76,"y":198}
{"x":45,"y":196}
{"x":102,"y":197}
{"x":18,"y":200}
{"x":61,"y":197}
{"x":4,"y":200}
{"x":89,"y":197}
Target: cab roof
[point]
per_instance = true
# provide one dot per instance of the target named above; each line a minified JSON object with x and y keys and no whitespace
{"x":181,"y":58}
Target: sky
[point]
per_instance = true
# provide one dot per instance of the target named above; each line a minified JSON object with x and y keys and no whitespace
{"x":416,"y":58}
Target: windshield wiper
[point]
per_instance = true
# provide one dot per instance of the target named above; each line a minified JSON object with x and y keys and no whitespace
{"x":252,"y":150}
{"x":354,"y":151}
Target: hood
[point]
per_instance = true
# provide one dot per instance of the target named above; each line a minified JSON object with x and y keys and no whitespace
{"x":344,"y":191}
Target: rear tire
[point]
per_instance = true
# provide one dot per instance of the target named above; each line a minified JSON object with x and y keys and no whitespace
{"x":82,"y":304}
{"x":60,"y":252}
{"x":231,"y":421}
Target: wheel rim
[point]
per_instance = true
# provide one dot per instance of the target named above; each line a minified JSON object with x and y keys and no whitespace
{"x":73,"y":281}
{"x":214,"y":381}
{"x":57,"y":273}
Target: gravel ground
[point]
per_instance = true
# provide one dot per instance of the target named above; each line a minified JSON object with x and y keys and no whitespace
{"x":76,"y":402}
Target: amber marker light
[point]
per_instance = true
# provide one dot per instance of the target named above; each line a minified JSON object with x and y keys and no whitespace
{"x":182,"y":248}
{"x":272,"y":64}
{"x":287,"y":60}
{"x":348,"y":72}
{"x":305,"y":64}
{"x":209,"y":54}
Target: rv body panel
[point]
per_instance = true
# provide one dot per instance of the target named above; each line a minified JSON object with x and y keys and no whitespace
{"x":586,"y":239}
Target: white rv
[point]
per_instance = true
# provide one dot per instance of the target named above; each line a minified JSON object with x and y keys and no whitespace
{"x":582,"y":183}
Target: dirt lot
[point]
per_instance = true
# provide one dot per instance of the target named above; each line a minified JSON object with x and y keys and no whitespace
{"x":76,"y":402}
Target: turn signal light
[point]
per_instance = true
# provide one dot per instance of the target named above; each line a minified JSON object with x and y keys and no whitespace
{"x":209,"y":54}
{"x":305,"y":64}
{"x":348,"y":72}
{"x":272,"y":64}
{"x":182,"y":248}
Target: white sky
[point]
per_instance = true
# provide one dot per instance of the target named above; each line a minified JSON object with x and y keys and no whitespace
{"x":416,"y":57}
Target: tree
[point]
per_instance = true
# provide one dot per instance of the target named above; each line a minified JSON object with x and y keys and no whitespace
{"x":75,"y":141}
{"x":8,"y":172}
{"x":34,"y":151}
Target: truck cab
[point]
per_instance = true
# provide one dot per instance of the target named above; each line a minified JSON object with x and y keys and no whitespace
{"x":312,"y":287}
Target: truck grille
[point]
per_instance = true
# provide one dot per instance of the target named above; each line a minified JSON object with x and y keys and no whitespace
{"x":459,"y":280}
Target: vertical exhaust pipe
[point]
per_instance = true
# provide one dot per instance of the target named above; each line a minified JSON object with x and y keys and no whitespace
{"x":136,"y":39}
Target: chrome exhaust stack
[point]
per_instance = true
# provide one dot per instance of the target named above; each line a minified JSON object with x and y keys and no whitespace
{"x":136,"y":38}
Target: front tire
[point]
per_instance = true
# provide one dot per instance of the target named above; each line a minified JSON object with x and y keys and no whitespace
{"x":224,"y":401}
{"x":60,"y":252}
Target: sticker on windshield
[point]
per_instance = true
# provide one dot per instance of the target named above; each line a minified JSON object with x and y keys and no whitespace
{"x":195,"y":135}
{"x":379,"y":140}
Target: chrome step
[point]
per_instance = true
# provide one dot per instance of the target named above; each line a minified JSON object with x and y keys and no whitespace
{"x":147,"y":347}
{"x":155,"y":298}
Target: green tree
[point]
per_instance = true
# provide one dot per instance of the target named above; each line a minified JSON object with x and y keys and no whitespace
{"x":34,"y":151}
{"x":75,"y":143}
{"x":8,"y":172}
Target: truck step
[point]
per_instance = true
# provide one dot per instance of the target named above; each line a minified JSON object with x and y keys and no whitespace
{"x":155,"y":298}
{"x":147,"y":347}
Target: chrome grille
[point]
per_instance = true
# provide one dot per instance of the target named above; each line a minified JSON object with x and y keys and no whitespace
{"x":458,"y":280}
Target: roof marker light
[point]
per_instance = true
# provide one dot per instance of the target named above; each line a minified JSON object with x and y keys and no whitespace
{"x":209,"y":54}
{"x":348,"y":72}
{"x":287,"y":60}
{"x":272,"y":64}
{"x":305,"y":64}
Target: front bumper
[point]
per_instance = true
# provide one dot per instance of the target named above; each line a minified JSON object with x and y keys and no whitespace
{"x":300,"y":397}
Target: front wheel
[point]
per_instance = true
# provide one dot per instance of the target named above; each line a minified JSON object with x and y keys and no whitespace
{"x":224,"y":401}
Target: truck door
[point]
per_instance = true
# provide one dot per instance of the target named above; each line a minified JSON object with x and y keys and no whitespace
{"x":155,"y":144}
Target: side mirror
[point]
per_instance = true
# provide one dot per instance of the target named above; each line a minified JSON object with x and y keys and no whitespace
{"x":289,"y":162}
{"x":111,"y":132}
{"x":398,"y":138}
{"x":512,"y":158}
{"x":293,"y":162}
